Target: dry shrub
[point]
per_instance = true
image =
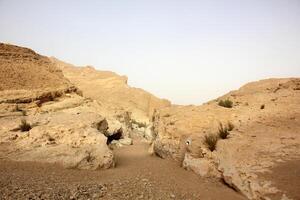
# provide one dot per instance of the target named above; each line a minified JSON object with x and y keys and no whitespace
{"x":24,"y":126}
{"x":211,"y":141}
{"x":226,"y":103}
{"x":224,"y":130}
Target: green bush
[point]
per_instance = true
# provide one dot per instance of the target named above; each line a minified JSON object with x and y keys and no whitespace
{"x":262,"y":106}
{"x":24,"y":126}
{"x":226,"y":103}
{"x":211,"y":141}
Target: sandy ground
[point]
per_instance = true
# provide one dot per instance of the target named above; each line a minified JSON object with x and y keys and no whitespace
{"x":286,"y":176}
{"x":137,"y":175}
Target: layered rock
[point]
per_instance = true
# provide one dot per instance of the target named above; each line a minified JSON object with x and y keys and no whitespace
{"x":266,"y":117}
{"x":23,"y":69}
{"x":26,"y":76}
{"x":65,"y":127}
{"x":66,"y":136}
{"x":112,"y":91}
{"x":43,"y":117}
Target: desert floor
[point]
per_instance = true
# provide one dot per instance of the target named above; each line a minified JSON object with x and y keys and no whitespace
{"x":137,"y":175}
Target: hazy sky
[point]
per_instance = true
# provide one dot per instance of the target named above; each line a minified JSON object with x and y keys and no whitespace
{"x":186,"y":51}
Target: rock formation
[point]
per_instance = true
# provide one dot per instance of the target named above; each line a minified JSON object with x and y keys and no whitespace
{"x":54,"y":112}
{"x":265,"y":115}
{"x":43,"y":116}
{"x":112,"y":91}
{"x":66,"y":125}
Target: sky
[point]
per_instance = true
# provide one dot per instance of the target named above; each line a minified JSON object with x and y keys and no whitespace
{"x":188,"y":51}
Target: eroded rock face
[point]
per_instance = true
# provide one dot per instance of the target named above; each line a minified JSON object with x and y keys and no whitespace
{"x":23,"y":69}
{"x":26,"y":77}
{"x":266,"y":117}
{"x":112,"y":91}
{"x":65,"y":136}
{"x":61,"y":121}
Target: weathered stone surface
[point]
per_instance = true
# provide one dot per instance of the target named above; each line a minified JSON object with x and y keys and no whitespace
{"x":23,"y":69}
{"x":62,"y":131}
{"x":66,"y":137}
{"x":113,"y":92}
{"x":122,"y":142}
{"x":203,"y":167}
{"x":261,"y":137}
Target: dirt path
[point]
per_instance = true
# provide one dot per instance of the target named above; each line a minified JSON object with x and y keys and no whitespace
{"x":137,"y":175}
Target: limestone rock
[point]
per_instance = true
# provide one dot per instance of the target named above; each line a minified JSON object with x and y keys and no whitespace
{"x":112,"y":91}
{"x":122,"y":142}
{"x":61,"y":121}
{"x":262,"y":135}
{"x":200,"y":166}
{"x":66,"y":137}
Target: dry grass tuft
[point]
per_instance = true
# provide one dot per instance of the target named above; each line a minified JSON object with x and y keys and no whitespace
{"x":226,"y":103}
{"x":24,"y":126}
{"x":211,"y":141}
{"x":224,"y":130}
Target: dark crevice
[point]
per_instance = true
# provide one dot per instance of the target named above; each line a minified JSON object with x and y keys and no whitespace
{"x":115,"y":136}
{"x":229,"y":185}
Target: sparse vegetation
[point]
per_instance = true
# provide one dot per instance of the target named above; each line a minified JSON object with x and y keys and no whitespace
{"x":226,"y":103}
{"x":18,"y":109}
{"x":24,"y":126}
{"x":262,"y":106}
{"x":224,"y":130}
{"x":211,"y":141}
